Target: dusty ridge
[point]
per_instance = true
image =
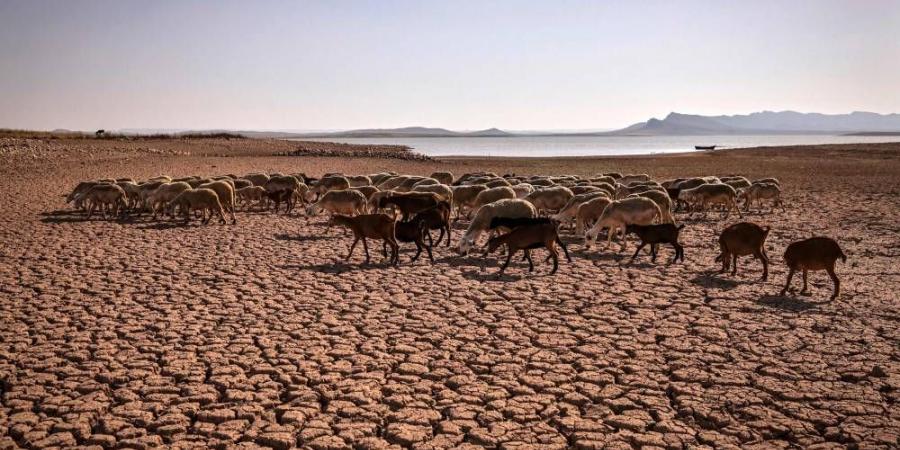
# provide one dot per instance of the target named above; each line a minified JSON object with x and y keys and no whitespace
{"x":126,"y":334}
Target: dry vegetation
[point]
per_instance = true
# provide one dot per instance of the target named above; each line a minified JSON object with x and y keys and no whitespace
{"x":129,"y":334}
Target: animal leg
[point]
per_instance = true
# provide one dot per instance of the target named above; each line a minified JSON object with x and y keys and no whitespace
{"x":428,"y":249}
{"x":834,"y":278}
{"x":366,"y":249}
{"x":734,"y":264}
{"x":636,"y":252}
{"x":555,"y":254}
{"x":787,"y":284}
{"x":679,"y":252}
{"x":352,"y":246}
{"x":449,"y":232}
{"x":565,"y":250}
{"x":765,"y":263}
{"x":805,"y":286}
{"x":530,"y":262}
{"x":509,"y":256}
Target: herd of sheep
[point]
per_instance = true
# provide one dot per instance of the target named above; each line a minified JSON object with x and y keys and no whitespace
{"x":517,"y":212}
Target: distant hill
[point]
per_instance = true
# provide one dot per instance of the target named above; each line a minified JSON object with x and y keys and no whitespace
{"x":406,"y":132}
{"x":765,"y":122}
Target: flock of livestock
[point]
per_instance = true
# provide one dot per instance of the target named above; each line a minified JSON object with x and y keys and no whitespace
{"x":520,"y":213}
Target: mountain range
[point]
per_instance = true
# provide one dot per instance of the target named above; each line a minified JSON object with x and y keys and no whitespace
{"x":674,"y":124}
{"x":766,"y":122}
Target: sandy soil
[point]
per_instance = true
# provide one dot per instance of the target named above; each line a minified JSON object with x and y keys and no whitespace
{"x":137,"y":333}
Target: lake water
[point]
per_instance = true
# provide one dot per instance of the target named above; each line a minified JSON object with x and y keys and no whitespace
{"x":536,"y":146}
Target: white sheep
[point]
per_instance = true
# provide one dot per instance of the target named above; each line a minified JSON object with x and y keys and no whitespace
{"x":159,"y":199}
{"x":768,"y":180}
{"x":258,"y":179}
{"x":359,"y":180}
{"x":377,"y":178}
{"x":106,"y":196}
{"x":498,"y":182}
{"x":442,"y":190}
{"x":625,"y":191}
{"x":757,"y":192}
{"x":326,"y":184}
{"x":510,"y":208}
{"x":464,"y":197}
{"x":374,"y":200}
{"x":443,"y":177}
{"x":709,"y":194}
{"x":662,"y":200}
{"x":348,"y":202}
{"x":626,"y":179}
{"x":491,"y":195}
{"x":225,"y":193}
{"x":736,"y":182}
{"x":251,"y":194}
{"x":588,"y":213}
{"x":569,"y":212}
{"x":407,"y":184}
{"x":689,"y":183}
{"x":603,"y":179}
{"x":621,"y":213}
{"x":522,"y":189}
{"x":391,"y":183}
{"x":425,"y":182}
{"x":550,"y":198}
{"x":204,"y":200}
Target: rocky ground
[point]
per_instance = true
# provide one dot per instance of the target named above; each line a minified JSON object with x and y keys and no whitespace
{"x":132,"y":333}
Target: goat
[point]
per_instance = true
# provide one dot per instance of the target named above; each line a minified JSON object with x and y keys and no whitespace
{"x":375,"y":226}
{"x":665,"y":233}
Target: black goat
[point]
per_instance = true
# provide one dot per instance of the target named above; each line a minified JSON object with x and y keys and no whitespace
{"x":513,"y":223}
{"x":666,"y":233}
{"x":437,"y":218}
{"x":412,"y":231}
{"x":283,"y":195}
{"x":673,"y":194}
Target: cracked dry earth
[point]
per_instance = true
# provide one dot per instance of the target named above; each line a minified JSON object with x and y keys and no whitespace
{"x":136,"y":334}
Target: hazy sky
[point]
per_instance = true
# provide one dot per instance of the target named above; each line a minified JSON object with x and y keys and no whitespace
{"x":456,"y":64}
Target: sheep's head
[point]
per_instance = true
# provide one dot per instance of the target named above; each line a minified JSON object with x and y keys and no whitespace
{"x":465,"y":245}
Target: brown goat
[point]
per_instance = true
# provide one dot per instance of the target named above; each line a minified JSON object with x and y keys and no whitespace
{"x":525,"y":238}
{"x":410,"y":203}
{"x":375,"y":226}
{"x":817,"y":253}
{"x":741,"y":239}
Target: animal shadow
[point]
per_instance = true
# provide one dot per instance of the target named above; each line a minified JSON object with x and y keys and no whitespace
{"x":299,"y":238}
{"x":165,"y":225}
{"x":338,"y":267}
{"x":713,"y":280}
{"x":62,"y":212}
{"x":786,"y":303}
{"x":61,"y":219}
